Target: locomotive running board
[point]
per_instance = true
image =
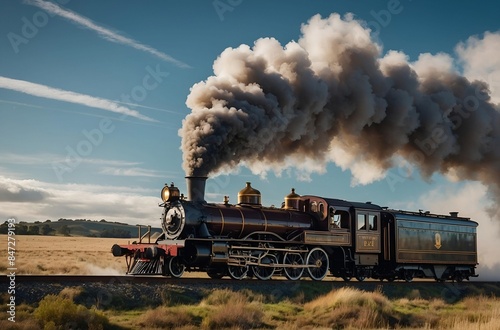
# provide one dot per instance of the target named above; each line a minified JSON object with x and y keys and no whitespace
{"x":170,"y":242}
{"x":256,"y":248}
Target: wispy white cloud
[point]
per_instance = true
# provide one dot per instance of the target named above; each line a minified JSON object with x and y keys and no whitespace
{"x":68,"y":96}
{"x":103,"y":32}
{"x":131,"y":171}
{"x":135,"y":105}
{"x":49,"y":158}
{"x":22,"y":159}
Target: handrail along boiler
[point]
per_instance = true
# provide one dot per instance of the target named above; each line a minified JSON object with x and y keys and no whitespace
{"x":308,"y":236}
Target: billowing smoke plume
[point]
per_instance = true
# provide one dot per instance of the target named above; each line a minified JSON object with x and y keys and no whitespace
{"x":331,"y":96}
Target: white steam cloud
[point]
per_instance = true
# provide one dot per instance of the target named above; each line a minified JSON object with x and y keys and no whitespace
{"x":479,"y":56}
{"x":332,"y":96}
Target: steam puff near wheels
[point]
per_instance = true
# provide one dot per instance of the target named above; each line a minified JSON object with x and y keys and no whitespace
{"x":308,"y":236}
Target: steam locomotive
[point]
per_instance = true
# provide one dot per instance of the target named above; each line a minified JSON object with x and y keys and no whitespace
{"x":308,"y":236}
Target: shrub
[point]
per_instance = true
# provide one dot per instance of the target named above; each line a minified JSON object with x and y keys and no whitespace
{"x":58,"y":312}
{"x":239,"y":315}
{"x":164,"y":317}
{"x":223,"y":297}
{"x":233,"y":310}
{"x":349,"y":307}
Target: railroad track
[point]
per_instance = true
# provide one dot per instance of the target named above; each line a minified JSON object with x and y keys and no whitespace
{"x":191,"y":280}
{"x":149,"y":290}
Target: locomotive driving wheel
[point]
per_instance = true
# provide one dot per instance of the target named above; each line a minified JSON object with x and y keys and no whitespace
{"x":239,"y":269}
{"x":293,"y":259}
{"x":265,"y":271}
{"x":317,"y":262}
{"x":237,"y":272}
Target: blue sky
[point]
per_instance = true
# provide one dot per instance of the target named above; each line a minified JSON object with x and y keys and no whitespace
{"x":106,"y":149}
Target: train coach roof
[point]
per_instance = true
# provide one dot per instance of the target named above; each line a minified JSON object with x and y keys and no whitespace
{"x":347,"y":204}
{"x":406,"y":215}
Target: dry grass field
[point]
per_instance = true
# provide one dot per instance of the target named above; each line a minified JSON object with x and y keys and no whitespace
{"x":64,"y":255}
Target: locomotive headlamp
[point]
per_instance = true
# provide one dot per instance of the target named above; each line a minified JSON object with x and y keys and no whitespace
{"x":170,"y":193}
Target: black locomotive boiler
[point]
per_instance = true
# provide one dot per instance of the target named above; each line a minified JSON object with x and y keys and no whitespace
{"x":308,"y":236}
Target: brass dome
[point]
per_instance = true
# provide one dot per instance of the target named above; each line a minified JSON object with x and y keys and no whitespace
{"x":292,"y":200}
{"x":249,"y":195}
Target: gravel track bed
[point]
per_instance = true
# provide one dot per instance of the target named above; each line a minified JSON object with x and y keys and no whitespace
{"x":130,"y":293}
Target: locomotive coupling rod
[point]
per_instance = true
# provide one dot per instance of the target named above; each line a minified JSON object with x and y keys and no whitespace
{"x":250,"y":263}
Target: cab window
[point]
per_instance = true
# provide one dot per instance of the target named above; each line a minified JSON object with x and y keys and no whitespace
{"x":361,"y":221}
{"x":338,"y":219}
{"x":372,"y":222}
{"x":367,"y":221}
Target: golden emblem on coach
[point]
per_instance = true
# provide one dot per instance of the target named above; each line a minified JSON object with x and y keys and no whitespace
{"x":437,"y":240}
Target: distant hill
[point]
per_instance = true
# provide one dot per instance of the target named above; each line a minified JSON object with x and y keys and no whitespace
{"x":78,"y":227}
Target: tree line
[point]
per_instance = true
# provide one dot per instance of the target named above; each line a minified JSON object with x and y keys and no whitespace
{"x":22,"y":229}
{"x":64,"y":230}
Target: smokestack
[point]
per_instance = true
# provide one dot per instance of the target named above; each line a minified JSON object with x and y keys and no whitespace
{"x":196,"y":188}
